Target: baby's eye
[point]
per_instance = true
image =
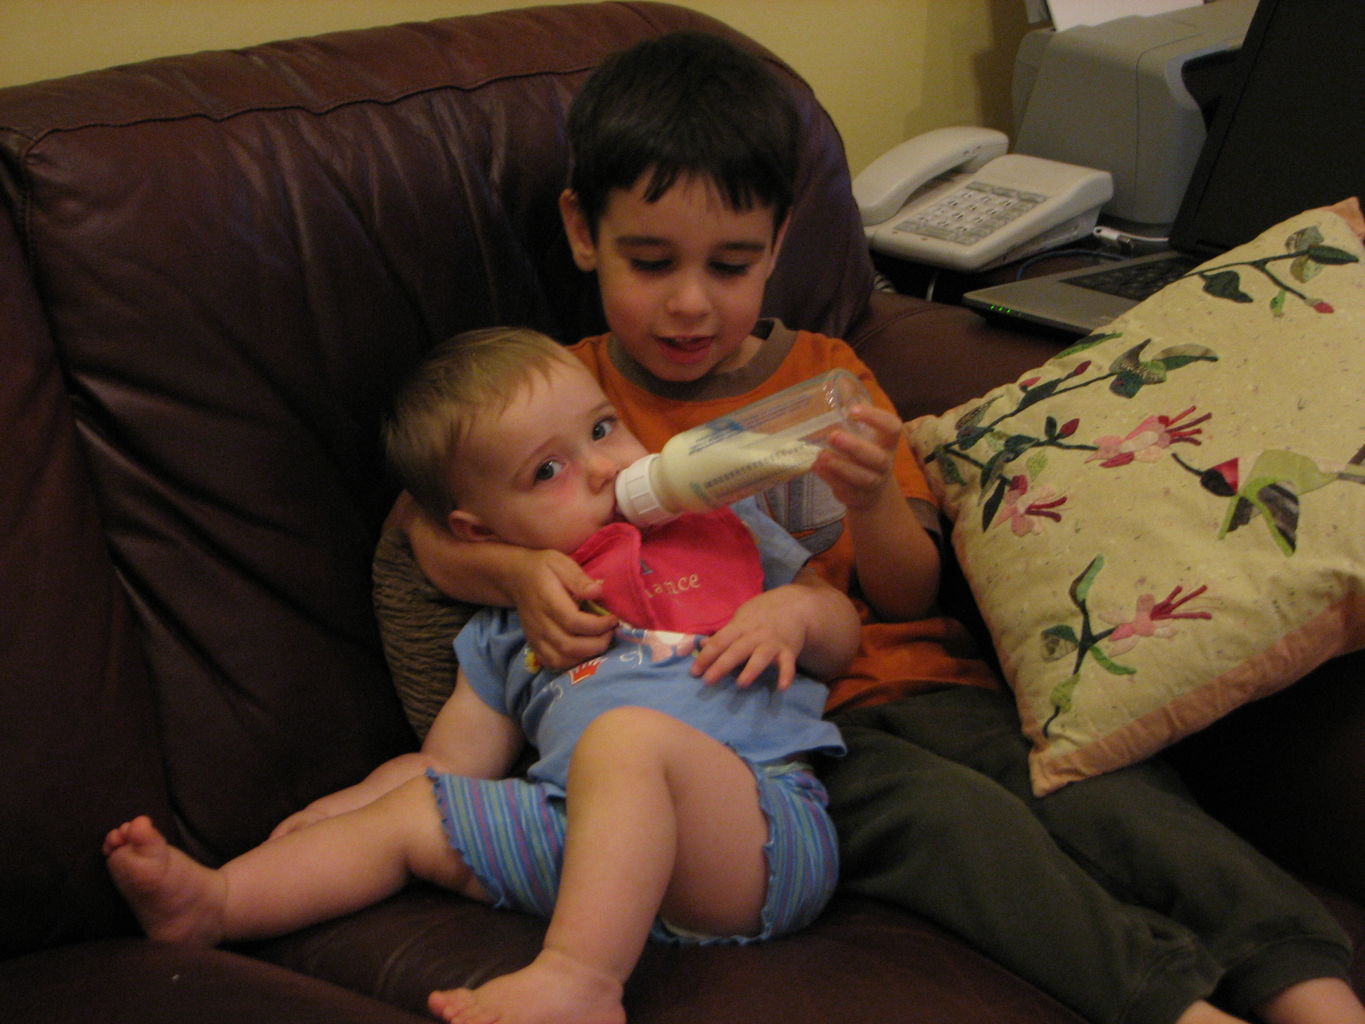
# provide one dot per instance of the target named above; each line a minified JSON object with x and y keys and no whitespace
{"x":548,"y":470}
{"x":603,"y":427}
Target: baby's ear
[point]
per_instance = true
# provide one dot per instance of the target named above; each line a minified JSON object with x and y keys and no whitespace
{"x":467,"y":526}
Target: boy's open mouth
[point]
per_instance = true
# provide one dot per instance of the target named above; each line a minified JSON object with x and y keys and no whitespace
{"x":688,"y":347}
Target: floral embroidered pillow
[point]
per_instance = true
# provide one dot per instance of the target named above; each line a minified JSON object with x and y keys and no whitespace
{"x":1167,"y":519}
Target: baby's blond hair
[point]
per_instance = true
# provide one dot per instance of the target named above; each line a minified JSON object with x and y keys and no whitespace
{"x":473,"y":374}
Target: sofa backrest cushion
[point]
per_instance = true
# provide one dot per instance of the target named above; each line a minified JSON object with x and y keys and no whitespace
{"x":237,"y":256}
{"x":77,"y":719}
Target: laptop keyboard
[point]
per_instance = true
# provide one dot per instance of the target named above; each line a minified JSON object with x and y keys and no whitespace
{"x":1136,"y":281}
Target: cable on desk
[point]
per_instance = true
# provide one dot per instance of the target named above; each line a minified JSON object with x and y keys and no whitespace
{"x":1130,"y":244}
{"x":1094,"y":254}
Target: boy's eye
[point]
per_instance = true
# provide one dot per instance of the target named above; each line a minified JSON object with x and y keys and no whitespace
{"x":731,"y":269}
{"x":603,"y":427}
{"x":548,"y":470}
{"x":645,"y":266}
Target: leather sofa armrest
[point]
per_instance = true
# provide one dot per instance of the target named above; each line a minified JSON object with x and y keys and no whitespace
{"x":931,"y":357}
{"x":1288,"y":773}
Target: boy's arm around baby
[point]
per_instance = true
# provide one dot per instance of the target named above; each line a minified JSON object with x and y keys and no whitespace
{"x":548,"y":588}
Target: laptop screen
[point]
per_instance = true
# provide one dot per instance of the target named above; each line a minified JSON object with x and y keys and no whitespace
{"x":1289,"y":133}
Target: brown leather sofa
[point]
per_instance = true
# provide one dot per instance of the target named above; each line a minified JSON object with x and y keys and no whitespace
{"x":213,"y":270}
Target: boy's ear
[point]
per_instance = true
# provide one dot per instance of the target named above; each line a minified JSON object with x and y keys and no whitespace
{"x":467,"y":526}
{"x":778,"y":238}
{"x":579,"y":231}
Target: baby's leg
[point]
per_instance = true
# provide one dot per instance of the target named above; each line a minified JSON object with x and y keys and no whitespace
{"x":314,"y":874}
{"x":661,"y":818}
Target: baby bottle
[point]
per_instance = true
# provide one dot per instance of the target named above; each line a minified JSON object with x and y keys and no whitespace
{"x":733,"y":456}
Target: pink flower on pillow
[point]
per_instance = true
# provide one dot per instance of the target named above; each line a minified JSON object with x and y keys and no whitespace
{"x":1154,"y":619}
{"x":1148,"y":441}
{"x":1027,"y":516}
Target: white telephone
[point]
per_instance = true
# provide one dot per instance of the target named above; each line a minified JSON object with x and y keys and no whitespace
{"x":954,"y":198}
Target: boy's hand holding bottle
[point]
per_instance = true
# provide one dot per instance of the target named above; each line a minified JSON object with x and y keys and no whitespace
{"x":857,"y":464}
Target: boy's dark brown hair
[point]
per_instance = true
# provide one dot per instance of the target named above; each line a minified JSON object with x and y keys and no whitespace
{"x":685,"y":105}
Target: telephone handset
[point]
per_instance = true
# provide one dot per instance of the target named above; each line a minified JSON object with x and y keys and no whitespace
{"x":954,"y":198}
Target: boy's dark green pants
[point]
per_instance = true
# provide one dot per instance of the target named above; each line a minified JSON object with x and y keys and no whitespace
{"x":1117,"y":895}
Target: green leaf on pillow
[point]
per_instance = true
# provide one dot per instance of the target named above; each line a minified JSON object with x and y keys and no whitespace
{"x":993,"y":502}
{"x":1331,"y":255}
{"x":1080,"y":586}
{"x":1182,"y":355}
{"x":1037,"y":462}
{"x":1059,"y":642}
{"x":1090,"y":341}
{"x":948,"y":467}
{"x":971,"y":421}
{"x":1304,"y":269}
{"x":1060,"y":697}
{"x":1226,"y":284}
{"x":1038,"y":392}
{"x":1109,"y":665}
{"x":1303,"y":238}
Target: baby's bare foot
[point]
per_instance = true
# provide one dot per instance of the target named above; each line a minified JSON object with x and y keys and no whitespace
{"x":174,"y":898}
{"x":552,"y":989}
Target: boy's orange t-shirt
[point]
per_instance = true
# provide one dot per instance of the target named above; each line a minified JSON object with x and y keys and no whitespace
{"x":894,"y":659}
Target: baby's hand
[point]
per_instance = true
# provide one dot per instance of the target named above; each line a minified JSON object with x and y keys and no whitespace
{"x":857,"y":466}
{"x":759,"y":636}
{"x":550,"y":591}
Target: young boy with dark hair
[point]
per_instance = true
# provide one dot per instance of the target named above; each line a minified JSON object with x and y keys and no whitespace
{"x":1117,"y":895}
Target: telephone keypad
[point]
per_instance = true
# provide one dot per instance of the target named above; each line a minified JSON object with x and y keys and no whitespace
{"x":971,"y":213}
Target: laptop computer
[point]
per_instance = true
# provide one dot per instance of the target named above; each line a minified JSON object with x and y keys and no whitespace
{"x":1288,"y":135}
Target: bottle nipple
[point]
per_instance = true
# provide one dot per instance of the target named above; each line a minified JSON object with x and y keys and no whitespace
{"x":635,"y":497}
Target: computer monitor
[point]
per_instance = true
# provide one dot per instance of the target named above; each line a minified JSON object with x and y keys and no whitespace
{"x":1288,"y":133}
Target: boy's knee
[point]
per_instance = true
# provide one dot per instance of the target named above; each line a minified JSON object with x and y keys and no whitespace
{"x":933,"y":805}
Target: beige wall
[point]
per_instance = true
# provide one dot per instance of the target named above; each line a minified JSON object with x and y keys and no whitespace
{"x":885,"y":69}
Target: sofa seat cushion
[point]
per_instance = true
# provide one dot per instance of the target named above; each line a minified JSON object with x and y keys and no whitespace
{"x":888,"y":962}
